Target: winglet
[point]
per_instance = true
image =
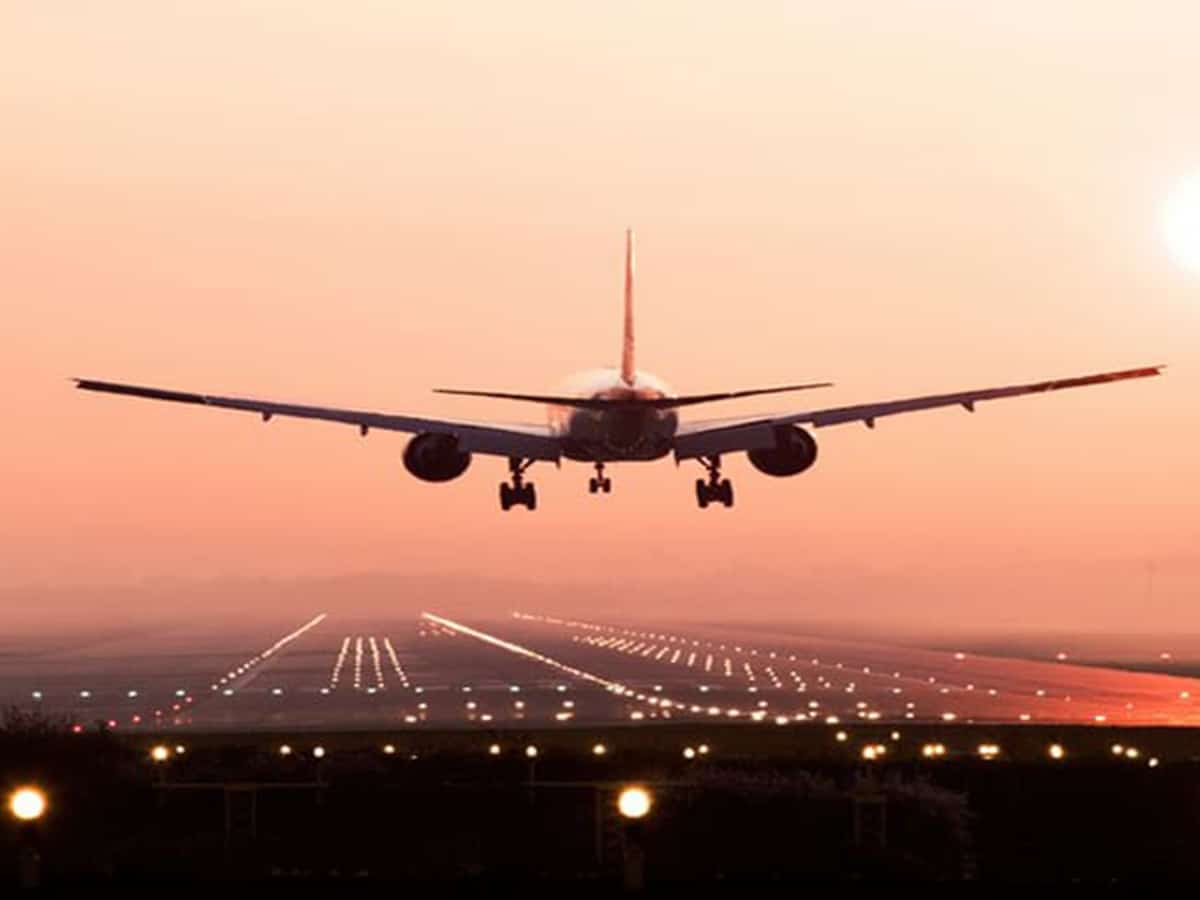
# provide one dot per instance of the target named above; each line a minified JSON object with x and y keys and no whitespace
{"x":627,"y":364}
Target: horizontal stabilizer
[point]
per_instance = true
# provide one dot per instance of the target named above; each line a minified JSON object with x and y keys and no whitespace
{"x":633,"y":399}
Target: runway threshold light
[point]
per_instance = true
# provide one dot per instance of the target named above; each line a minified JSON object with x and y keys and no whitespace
{"x":27,"y":804}
{"x":634,"y":802}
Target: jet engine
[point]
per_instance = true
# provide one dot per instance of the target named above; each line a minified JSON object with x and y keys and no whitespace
{"x":435,"y":457}
{"x":794,"y":451}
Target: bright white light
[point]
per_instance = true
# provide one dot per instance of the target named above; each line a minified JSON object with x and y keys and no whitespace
{"x":599,"y":750}
{"x":1181,"y":222}
{"x":531,"y":751}
{"x":318,"y":752}
{"x":27,"y":804}
{"x":634,"y":802}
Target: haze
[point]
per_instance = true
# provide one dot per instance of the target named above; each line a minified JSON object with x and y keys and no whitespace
{"x":353,"y":203}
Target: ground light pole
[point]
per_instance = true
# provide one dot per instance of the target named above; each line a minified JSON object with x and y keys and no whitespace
{"x":27,"y":805}
{"x":634,"y":804}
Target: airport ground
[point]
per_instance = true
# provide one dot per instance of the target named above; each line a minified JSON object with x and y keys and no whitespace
{"x":476,"y":753}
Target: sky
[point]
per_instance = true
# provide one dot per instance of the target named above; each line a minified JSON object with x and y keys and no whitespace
{"x":352,"y":203}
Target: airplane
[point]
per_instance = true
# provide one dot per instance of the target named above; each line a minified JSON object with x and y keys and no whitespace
{"x":615,"y":415}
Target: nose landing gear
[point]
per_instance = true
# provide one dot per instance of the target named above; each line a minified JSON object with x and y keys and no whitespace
{"x":519,"y":493}
{"x":600,"y":483}
{"x":716,"y":489}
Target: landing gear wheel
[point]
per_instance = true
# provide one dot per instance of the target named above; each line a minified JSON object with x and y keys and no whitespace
{"x":725,"y":492}
{"x":715,"y":489}
{"x":518,"y":493}
{"x":599,"y":483}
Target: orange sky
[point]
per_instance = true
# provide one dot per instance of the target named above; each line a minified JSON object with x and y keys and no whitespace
{"x":352,"y":203}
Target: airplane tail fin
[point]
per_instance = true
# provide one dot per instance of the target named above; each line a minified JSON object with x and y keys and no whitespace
{"x":627,"y":363}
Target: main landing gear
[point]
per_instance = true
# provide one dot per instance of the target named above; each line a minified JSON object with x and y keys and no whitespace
{"x":518,"y":493}
{"x":600,"y":482}
{"x":716,"y":489}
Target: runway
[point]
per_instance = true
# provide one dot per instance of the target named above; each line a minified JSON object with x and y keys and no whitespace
{"x":329,"y":670}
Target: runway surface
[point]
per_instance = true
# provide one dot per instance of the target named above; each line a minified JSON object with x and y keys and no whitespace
{"x":329,"y":670}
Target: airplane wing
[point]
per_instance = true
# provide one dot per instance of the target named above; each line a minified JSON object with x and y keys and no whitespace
{"x":707,"y":438}
{"x":526,"y":441}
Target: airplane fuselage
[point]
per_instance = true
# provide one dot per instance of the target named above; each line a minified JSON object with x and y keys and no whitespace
{"x":634,"y":432}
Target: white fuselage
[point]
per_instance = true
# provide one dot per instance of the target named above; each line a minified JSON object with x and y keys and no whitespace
{"x":633,"y":432}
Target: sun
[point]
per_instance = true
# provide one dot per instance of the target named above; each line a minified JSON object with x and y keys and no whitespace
{"x":1181,"y":222}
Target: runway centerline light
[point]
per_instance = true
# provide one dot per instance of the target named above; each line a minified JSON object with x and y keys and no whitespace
{"x":634,"y":802}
